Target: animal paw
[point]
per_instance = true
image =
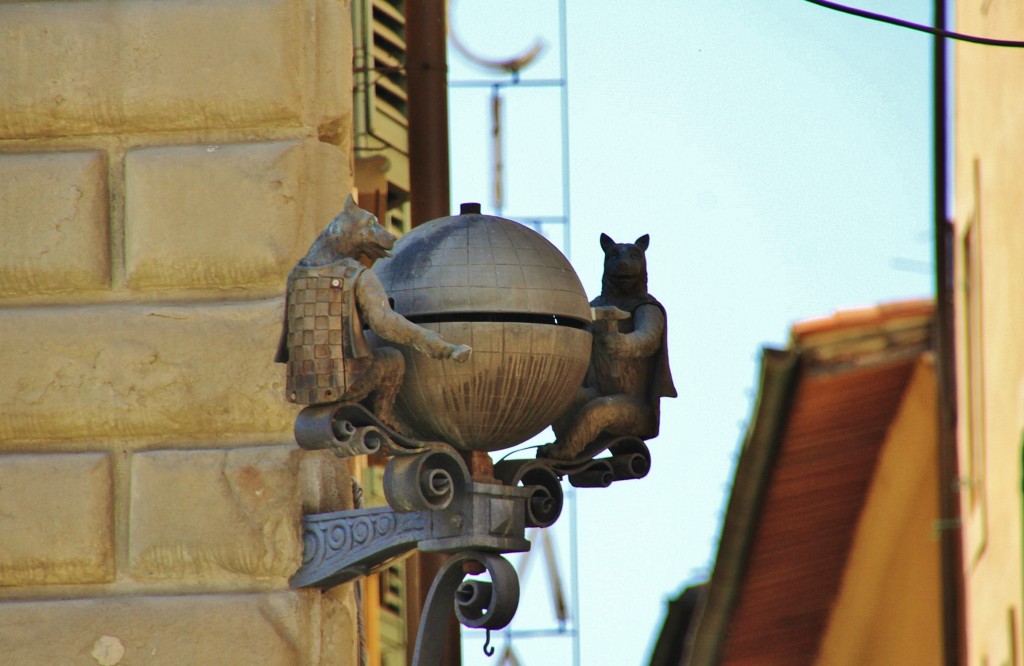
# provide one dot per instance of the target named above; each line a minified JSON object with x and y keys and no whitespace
{"x":616,"y":343}
{"x":555,"y":451}
{"x":461,"y":353}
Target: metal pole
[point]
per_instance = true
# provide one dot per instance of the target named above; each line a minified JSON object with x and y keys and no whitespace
{"x":575,"y":569}
{"x":949,"y":500}
{"x":563,"y":75}
{"x":498,"y":163}
{"x":427,"y":71}
{"x":563,"y":65}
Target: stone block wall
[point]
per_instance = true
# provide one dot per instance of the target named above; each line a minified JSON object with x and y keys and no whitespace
{"x":163,"y":164}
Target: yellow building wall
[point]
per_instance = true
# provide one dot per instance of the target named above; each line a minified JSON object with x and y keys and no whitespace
{"x":989,"y":246}
{"x":162,"y":167}
{"x":888,"y":610}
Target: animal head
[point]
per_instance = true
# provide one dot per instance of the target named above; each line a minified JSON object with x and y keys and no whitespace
{"x":353,"y":233}
{"x":625,"y":266}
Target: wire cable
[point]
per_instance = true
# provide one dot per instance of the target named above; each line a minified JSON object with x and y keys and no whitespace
{"x":525,"y":448}
{"x":939,"y":32}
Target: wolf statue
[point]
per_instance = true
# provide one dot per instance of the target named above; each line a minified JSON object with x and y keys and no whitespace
{"x":329,"y":297}
{"x":629,"y":371}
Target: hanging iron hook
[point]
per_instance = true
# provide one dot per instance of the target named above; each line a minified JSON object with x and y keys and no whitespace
{"x":488,"y":648}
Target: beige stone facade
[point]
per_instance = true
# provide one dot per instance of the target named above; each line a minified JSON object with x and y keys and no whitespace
{"x":162,"y":167}
{"x":989,"y":252}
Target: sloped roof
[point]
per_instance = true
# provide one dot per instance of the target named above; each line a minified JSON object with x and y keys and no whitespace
{"x":824,"y":407}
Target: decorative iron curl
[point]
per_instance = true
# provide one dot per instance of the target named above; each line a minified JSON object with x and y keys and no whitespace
{"x":318,"y":427}
{"x":546,"y":496}
{"x":425,"y":482}
{"x":349,"y":429}
{"x":630,"y":459}
{"x":478,"y":604}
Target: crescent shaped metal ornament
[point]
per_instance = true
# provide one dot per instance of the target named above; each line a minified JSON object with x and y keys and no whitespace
{"x":512,"y":65}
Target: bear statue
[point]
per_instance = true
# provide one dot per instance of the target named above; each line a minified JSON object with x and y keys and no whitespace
{"x":330,"y":296}
{"x":629,"y":371}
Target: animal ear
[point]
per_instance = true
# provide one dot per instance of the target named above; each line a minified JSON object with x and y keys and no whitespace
{"x":350,"y":204}
{"x":643,"y":242}
{"x":606,"y":242}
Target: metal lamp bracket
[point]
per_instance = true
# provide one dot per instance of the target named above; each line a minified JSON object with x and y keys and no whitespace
{"x":435,"y":506}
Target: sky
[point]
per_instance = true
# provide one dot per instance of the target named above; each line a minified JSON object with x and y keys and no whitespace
{"x":778,"y":154}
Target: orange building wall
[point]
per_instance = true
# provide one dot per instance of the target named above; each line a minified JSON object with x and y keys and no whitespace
{"x":989,"y":291}
{"x":888,"y":610}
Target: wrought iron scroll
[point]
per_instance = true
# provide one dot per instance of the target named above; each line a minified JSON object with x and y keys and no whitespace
{"x":478,"y":604}
{"x":435,"y":506}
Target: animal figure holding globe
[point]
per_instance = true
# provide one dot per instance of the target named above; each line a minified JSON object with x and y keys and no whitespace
{"x":629,"y":371}
{"x":329,"y":296}
{"x":505,"y":289}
